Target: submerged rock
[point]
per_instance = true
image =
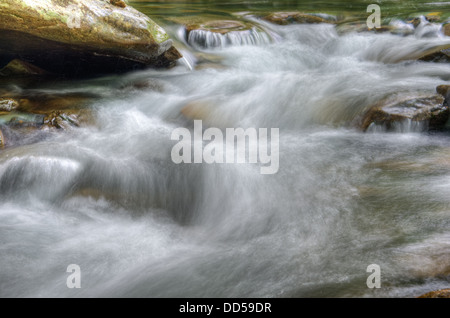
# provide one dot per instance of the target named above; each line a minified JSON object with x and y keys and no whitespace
{"x":27,"y":117}
{"x":21,"y":68}
{"x":348,"y":27}
{"x":45,"y":103}
{"x":285,"y":18}
{"x":397,"y":110}
{"x":79,"y":37}
{"x":443,"y":293}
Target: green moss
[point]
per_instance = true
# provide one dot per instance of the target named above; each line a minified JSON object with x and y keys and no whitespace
{"x":158,"y":33}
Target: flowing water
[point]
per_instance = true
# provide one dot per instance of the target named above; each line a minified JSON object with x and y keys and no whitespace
{"x":109,"y":198}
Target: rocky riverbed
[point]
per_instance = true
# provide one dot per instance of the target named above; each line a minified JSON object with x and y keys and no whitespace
{"x":91,"y":90}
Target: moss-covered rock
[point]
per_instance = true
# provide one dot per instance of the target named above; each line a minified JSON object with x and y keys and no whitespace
{"x":285,"y":18}
{"x":21,"y":68}
{"x":83,"y":36}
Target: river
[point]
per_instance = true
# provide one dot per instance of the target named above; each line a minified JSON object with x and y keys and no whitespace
{"x":110,"y":199}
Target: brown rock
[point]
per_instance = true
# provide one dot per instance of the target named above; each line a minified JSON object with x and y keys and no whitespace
{"x":118,"y":3}
{"x":41,"y":103}
{"x":443,"y":293}
{"x":2,"y":140}
{"x":68,"y":119}
{"x":439,"y":56}
{"x":444,"y":90}
{"x":415,"y":22}
{"x":396,"y":109}
{"x":219,"y":26}
{"x":285,"y":18}
{"x":446,"y":29}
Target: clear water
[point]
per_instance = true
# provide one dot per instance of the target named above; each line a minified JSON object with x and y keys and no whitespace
{"x":109,"y":198}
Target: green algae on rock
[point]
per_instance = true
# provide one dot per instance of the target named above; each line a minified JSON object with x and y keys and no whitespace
{"x":285,"y":18}
{"x":82,"y":36}
{"x":21,"y":68}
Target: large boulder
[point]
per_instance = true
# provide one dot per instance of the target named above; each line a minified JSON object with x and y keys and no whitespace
{"x":76,"y":37}
{"x":393,"y":111}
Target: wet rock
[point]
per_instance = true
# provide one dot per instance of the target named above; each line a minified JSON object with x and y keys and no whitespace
{"x":285,"y":18}
{"x":446,"y":29}
{"x":8,"y":104}
{"x":21,"y":68}
{"x":63,"y":120}
{"x":45,"y":103}
{"x":143,"y":85}
{"x":18,"y":119}
{"x":440,"y":54}
{"x":444,"y":90}
{"x":2,"y":140}
{"x":393,"y":111}
{"x":82,"y":37}
{"x":415,"y":21}
{"x":443,"y":293}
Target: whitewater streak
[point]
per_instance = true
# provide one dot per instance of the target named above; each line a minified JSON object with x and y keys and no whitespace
{"x":213,"y":152}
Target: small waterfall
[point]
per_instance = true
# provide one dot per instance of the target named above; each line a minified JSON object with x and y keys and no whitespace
{"x":427,"y":29}
{"x":204,"y":39}
{"x":405,"y":126}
